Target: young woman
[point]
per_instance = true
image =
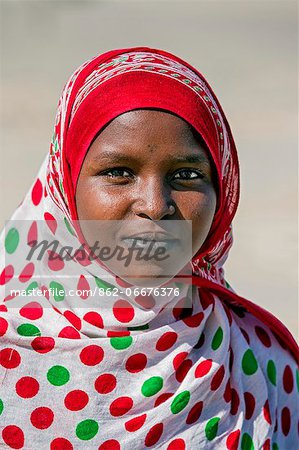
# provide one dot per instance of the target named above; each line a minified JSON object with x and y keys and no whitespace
{"x":102,"y":355}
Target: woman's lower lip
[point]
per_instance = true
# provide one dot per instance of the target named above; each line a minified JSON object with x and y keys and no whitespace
{"x":150,"y":245}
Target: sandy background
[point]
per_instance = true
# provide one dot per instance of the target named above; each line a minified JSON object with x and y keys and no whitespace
{"x":246,"y":49}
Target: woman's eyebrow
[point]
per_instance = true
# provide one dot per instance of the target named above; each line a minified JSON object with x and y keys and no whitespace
{"x":119,"y":157}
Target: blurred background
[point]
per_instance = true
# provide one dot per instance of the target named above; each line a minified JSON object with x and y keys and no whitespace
{"x":248,"y":52}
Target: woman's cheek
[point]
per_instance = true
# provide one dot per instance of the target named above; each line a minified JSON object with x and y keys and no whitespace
{"x":202,"y":215}
{"x":105,"y":205}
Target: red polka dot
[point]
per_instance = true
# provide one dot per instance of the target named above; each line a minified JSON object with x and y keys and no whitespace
{"x":92,"y":355}
{"x":51,"y":222}
{"x":73,"y":319}
{"x":69,"y":333}
{"x":194,"y":321}
{"x":94,"y":318}
{"x":154,"y":435}
{"x":27,"y":273}
{"x":3,"y":326}
{"x":146,"y":301}
{"x":32,"y":311}
{"x":83,"y":287}
{"x":111,"y":444}
{"x":227,"y":393}
{"x":183,"y":369}
{"x":245,"y":334}
{"x":37,"y":192}
{"x":76,"y":400}
{"x":45,"y":292}
{"x":55,"y":261}
{"x":166,"y":341}
{"x":82,"y":257}
{"x":10,"y":297}
{"x":162,"y":398}
{"x":249,"y":405}
{"x":32,"y":234}
{"x":3,"y":308}
{"x":61,"y":444}
{"x":217,"y":378}
{"x":120,"y":406}
{"x":9,"y":358}
{"x":136,"y":363}
{"x":122,"y":282}
{"x":118,"y":333}
{"x":183,"y":308}
{"x":27,"y":387}
{"x":285,"y":420}
{"x":123,"y":311}
{"x":194,"y":413}
{"x":203,"y":368}
{"x":288,"y":380}
{"x":42,"y":417}
{"x":263,"y":336}
{"x":200,"y":341}
{"x":177,"y":444}
{"x":136,"y":423}
{"x":206,"y":298}
{"x":6,"y":274}
{"x":266,"y":445}
{"x":105,"y":383}
{"x":232,"y":440}
{"x":43,"y":344}
{"x":13,"y":436}
{"x":178,"y":359}
{"x":280,"y":340}
{"x":235,"y":402}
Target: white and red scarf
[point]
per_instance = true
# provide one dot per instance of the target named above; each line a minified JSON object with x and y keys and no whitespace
{"x":83,"y":371}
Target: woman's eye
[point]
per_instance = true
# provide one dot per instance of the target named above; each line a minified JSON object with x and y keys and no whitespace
{"x":116,"y":173}
{"x":188,"y":174}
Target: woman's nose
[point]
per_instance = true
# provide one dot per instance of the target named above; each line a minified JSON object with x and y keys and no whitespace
{"x":154,"y":200}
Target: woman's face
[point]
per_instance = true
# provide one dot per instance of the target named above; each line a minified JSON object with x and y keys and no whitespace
{"x":142,"y":162}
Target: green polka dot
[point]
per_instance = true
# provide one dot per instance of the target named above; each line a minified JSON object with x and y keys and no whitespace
{"x":31,"y":287}
{"x":152,"y":386}
{"x":1,"y":406}
{"x":103,"y":284}
{"x":58,"y":291}
{"x":217,"y":339}
{"x":141,"y":327}
{"x":87,"y":429}
{"x":68,"y":227}
{"x":12,"y":240}
{"x":27,"y":329}
{"x":275,"y":446}
{"x":212,"y":428}
{"x":120,"y":343}
{"x":227,"y":285}
{"x":249,"y":363}
{"x":246,"y":442}
{"x":58,"y":375}
{"x":297,"y":379}
{"x":271,"y":371}
{"x":180,"y":402}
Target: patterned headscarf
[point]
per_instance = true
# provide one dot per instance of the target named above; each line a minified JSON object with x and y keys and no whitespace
{"x":79,"y":370}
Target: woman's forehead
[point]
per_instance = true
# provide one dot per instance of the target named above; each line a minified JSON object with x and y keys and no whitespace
{"x":145,"y":123}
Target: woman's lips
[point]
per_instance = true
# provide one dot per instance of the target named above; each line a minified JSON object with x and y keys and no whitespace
{"x":150,"y":244}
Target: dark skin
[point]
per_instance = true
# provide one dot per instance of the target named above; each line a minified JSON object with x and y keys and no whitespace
{"x":148,"y":178}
